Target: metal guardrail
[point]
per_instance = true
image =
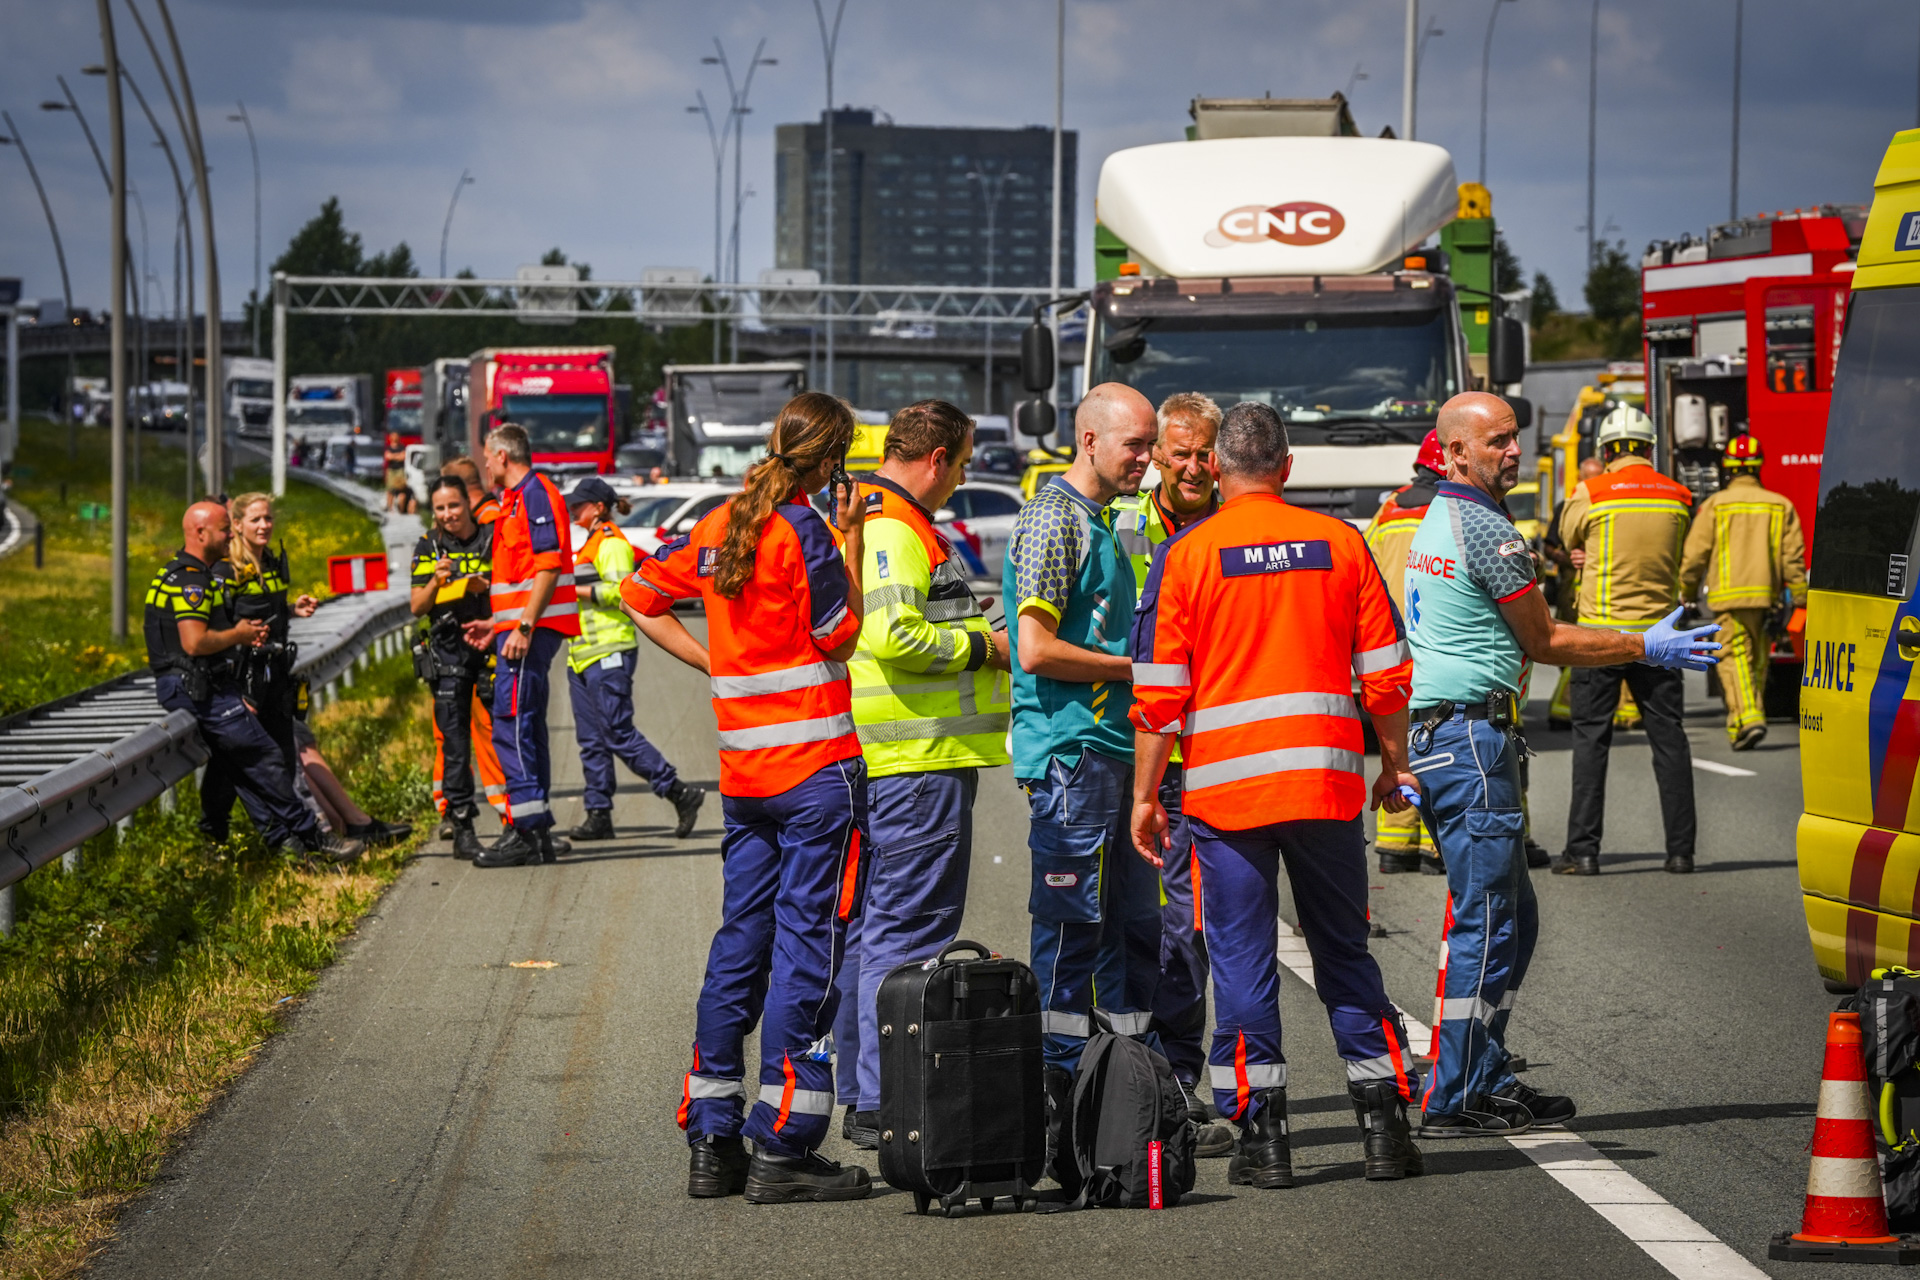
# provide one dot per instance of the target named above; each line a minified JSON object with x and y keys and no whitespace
{"x":71,"y":768}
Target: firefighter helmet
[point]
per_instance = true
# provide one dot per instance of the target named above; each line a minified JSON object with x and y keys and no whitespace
{"x":1432,"y":456}
{"x":1742,"y":451}
{"x":1625,"y":424}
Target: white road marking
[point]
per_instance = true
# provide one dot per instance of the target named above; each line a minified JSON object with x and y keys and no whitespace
{"x":1662,"y":1230}
{"x":1724,"y":770}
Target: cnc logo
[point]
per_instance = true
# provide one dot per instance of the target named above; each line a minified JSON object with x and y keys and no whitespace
{"x":1302,"y":222}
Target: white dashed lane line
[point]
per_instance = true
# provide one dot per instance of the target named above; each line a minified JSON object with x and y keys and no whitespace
{"x":1724,"y":770}
{"x":1661,"y":1229}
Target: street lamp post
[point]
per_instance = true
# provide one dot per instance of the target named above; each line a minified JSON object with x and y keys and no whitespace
{"x":992,"y":187}
{"x":244,"y":119}
{"x":717,"y":138}
{"x":447,"y":226}
{"x":1059,"y":169}
{"x":1409,"y":71}
{"x":66,"y":285}
{"x":1593,"y":114}
{"x":1733,"y":194}
{"x":117,"y":340}
{"x":737,"y":111}
{"x":1486,"y":68}
{"x":829,"y":45}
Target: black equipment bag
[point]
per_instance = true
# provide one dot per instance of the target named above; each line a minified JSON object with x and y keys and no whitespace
{"x":1132,"y":1140}
{"x":1889,"y":1006}
{"x":962,"y":1106}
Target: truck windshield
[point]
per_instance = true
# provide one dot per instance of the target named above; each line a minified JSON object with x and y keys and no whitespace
{"x":405,"y":421}
{"x":1354,"y":379}
{"x":728,"y":459}
{"x":561,"y":424}
{"x":736,"y":399}
{"x":1870,"y":475}
{"x":319,"y":415}
{"x":252,"y":388}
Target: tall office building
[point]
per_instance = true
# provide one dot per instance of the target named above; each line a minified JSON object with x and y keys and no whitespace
{"x":906,"y":211}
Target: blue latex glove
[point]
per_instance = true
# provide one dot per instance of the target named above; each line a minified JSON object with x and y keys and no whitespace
{"x":1411,"y":796}
{"x":1672,"y":647}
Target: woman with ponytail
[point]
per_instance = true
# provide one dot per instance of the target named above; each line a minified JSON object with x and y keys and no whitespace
{"x":783,"y":608}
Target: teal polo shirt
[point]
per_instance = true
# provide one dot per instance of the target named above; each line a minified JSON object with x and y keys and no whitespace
{"x":1466,"y":561}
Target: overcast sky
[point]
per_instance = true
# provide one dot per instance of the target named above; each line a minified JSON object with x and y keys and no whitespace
{"x":571,"y":113}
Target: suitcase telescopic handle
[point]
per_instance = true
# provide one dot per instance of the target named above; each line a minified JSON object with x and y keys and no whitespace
{"x":966,"y":944}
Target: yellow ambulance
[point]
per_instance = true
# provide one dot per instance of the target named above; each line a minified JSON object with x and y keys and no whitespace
{"x":1859,"y":839}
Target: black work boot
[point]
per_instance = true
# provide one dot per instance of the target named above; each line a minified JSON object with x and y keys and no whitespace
{"x":1060,"y":1166}
{"x":1578,"y":864}
{"x":1265,"y":1158}
{"x":1680,"y":864}
{"x":466,"y":845}
{"x":686,"y":802}
{"x":447,"y":829}
{"x":1432,"y":864}
{"x":716,"y":1166}
{"x":1211,"y":1138}
{"x":514,"y":848}
{"x":1537,"y":855}
{"x":332,"y":848}
{"x":1382,"y":1114}
{"x":1395,"y":862}
{"x":552,"y":846}
{"x":773,"y":1179}
{"x":861,"y":1128}
{"x":598,"y":826}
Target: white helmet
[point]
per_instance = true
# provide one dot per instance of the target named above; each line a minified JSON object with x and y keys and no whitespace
{"x":1625,"y":423}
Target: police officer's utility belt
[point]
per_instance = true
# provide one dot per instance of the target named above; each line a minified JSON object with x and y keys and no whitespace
{"x":199,"y":675}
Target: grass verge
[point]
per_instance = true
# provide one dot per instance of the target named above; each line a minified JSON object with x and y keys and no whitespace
{"x":133,"y":992}
{"x":56,"y":622}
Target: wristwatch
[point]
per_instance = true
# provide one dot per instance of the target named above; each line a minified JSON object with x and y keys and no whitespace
{"x":525,"y":628}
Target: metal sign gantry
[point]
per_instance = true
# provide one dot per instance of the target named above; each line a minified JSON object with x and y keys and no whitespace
{"x":665,"y":298}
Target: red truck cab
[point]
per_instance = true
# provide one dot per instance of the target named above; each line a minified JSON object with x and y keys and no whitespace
{"x":563,"y":396}
{"x":403,"y":404}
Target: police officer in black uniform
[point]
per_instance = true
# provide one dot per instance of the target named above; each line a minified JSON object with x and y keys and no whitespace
{"x":255,"y":580}
{"x":451,"y":564}
{"x":192,"y":638}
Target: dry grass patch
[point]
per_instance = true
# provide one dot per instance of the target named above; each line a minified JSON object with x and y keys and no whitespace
{"x":132,"y":993}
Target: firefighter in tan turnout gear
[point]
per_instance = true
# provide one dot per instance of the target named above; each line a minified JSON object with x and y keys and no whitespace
{"x":1747,"y":549}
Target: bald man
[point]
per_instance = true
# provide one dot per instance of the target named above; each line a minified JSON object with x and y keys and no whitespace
{"x":1069,"y":583}
{"x":191,"y":635}
{"x":1475,"y":615}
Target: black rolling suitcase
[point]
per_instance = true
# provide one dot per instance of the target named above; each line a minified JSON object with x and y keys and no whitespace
{"x":962,"y":1107}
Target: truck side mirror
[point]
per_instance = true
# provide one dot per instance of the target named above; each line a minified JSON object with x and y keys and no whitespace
{"x":1036,"y":359}
{"x":1506,"y":351}
{"x":1522,"y":411}
{"x":1033,"y":417}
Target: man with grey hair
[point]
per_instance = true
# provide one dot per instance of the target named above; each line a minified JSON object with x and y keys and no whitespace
{"x":1182,"y":455}
{"x":1253,"y":630}
{"x":1096,"y":924}
{"x":534,"y":613}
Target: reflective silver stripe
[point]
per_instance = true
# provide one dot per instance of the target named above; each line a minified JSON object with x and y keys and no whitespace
{"x":1262,"y":763}
{"x":1162,"y":675}
{"x":1462,"y":1008}
{"x":551,"y":611}
{"x":709,"y":1087}
{"x":1373,"y":1069}
{"x":806,"y":1102}
{"x":932,"y":727}
{"x":825,"y":629}
{"x":1128,"y":1024}
{"x":893,"y":593}
{"x":1077,"y":1025}
{"x":1273,"y":707}
{"x":527,"y":808}
{"x":790,"y":734}
{"x":503,"y":588}
{"x":807,"y":677}
{"x":1174,"y":725}
{"x":1385,"y":658}
{"x":586,"y":575}
{"x":1506,"y":1000}
{"x":498,"y":790}
{"x":950,"y":610}
{"x":1260,"y":1075}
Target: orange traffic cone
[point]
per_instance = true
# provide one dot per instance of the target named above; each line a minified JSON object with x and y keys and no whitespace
{"x":1846,"y":1213}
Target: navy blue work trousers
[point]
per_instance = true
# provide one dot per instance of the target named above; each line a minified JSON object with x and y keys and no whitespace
{"x":245,"y":761}
{"x":520,"y":726}
{"x":602,"y":698}
{"x":791,"y":866}
{"x":1180,"y":1001}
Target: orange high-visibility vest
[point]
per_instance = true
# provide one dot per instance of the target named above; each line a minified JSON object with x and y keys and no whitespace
{"x":531,"y":534}
{"x":785,"y":709}
{"x":1250,"y":631}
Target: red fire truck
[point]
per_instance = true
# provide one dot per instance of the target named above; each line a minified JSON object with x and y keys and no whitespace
{"x":1742,"y":332}
{"x":563,"y":396}
{"x":403,"y":404}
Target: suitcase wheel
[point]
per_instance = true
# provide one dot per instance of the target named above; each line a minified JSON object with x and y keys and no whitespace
{"x":921,"y":1203}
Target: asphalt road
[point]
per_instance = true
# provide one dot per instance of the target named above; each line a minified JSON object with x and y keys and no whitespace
{"x":433,"y":1111}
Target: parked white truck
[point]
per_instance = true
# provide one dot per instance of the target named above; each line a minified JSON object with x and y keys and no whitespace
{"x":249,"y":406}
{"x":1275,"y":256}
{"x":326,"y":404}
